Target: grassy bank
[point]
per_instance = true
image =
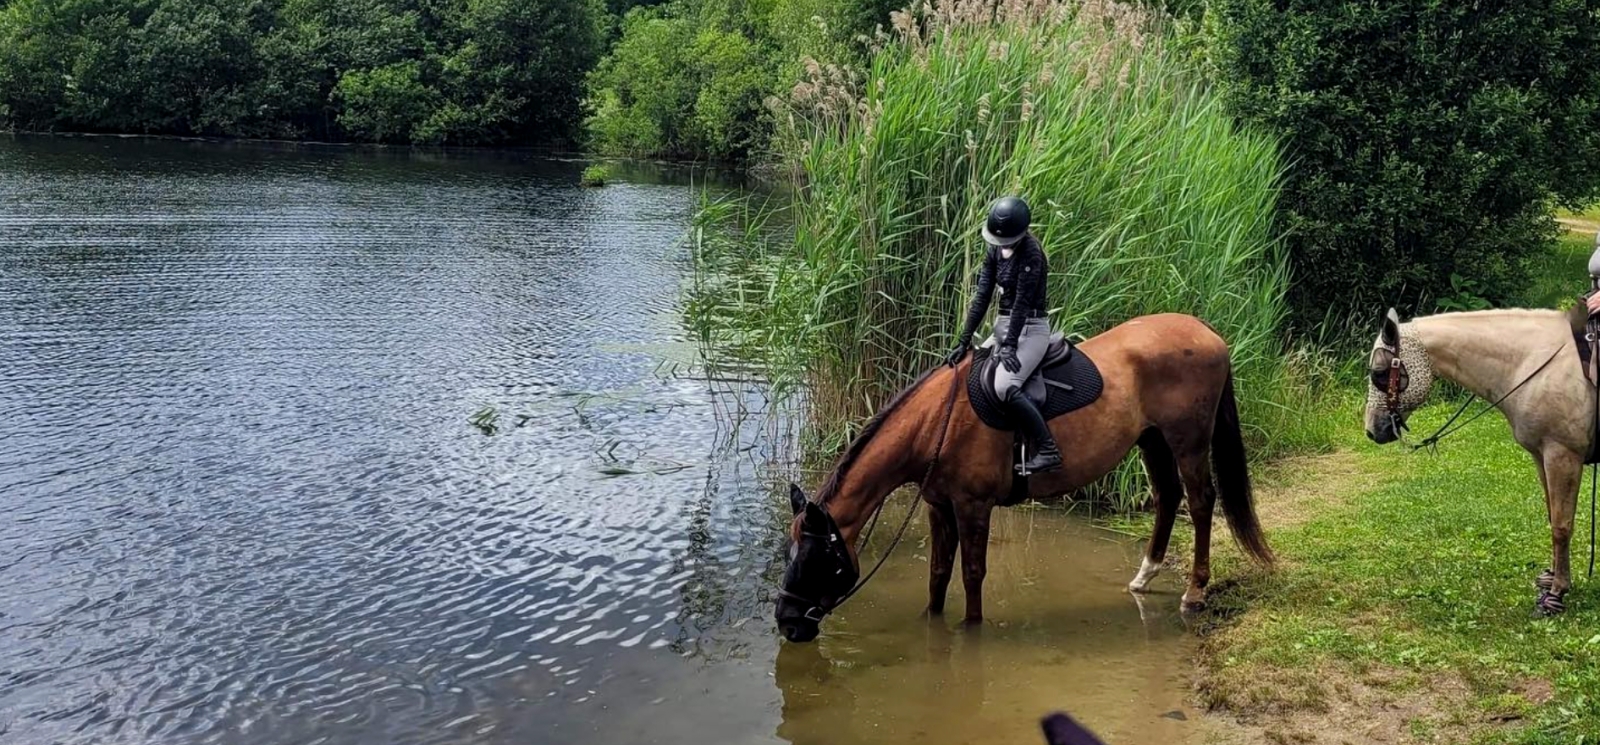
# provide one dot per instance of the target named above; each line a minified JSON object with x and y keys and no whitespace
{"x":1403,"y":608}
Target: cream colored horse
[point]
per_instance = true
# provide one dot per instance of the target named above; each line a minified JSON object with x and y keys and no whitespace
{"x":1490,"y":353}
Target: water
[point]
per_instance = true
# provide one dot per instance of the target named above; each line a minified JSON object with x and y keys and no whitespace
{"x":243,"y":499}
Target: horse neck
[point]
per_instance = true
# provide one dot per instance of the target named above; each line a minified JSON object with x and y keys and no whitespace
{"x":896,"y":454}
{"x":1481,"y":352}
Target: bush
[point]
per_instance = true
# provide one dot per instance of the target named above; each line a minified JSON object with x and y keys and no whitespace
{"x":1146,"y":197}
{"x":386,"y":104}
{"x":674,"y":88}
{"x":1427,"y":138}
{"x":595,"y":175}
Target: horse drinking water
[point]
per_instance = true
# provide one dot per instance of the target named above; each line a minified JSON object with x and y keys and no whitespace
{"x":1168,"y":390}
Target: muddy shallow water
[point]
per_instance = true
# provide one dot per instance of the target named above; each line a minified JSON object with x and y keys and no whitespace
{"x":243,"y":499}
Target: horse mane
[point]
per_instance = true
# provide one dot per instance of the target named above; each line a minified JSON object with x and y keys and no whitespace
{"x":831,"y":485}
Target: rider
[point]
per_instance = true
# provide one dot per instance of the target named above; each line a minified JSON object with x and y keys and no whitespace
{"x":1016,"y":262}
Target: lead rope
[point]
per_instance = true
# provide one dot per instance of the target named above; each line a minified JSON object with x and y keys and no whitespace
{"x":944,"y":431}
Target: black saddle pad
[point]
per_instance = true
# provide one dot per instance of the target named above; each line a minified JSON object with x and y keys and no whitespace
{"x":1073,"y":368}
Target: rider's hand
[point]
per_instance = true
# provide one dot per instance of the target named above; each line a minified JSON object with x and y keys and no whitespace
{"x":957,"y":354}
{"x":1008,"y":357}
{"x":1594,"y":303}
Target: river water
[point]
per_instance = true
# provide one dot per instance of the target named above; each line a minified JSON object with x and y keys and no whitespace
{"x":333,"y":445}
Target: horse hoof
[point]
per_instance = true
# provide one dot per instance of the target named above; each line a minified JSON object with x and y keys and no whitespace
{"x":1545,"y":581}
{"x":1550,"y":604}
{"x":1192,"y":606}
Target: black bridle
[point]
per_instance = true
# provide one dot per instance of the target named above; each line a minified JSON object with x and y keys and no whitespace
{"x":818,"y":609}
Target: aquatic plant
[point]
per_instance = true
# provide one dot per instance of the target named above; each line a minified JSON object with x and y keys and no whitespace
{"x":595,"y":175}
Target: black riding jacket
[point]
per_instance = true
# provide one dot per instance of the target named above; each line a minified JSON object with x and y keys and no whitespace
{"x":1022,"y":280}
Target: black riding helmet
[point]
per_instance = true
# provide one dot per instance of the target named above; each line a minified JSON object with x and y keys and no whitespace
{"x":1008,"y":221}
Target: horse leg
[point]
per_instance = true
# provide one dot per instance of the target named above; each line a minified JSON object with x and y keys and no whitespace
{"x":1162,"y":468}
{"x":972,"y":522}
{"x":1563,"y":471}
{"x":1546,"y":577}
{"x":1196,"y":473}
{"x":942,"y":559}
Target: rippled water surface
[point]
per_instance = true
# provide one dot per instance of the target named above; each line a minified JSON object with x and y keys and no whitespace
{"x":243,"y":497}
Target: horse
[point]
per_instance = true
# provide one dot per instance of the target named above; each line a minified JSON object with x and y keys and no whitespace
{"x":1526,"y":364}
{"x":1168,"y":391}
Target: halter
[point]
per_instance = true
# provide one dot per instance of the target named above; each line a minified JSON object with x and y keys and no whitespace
{"x":835,"y":540}
{"x":1398,"y":380}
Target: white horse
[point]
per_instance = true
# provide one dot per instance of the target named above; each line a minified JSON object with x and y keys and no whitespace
{"x":1525,"y":362}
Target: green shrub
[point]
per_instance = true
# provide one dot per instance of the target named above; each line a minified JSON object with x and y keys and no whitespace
{"x":385,"y":104}
{"x":1426,"y":137}
{"x":595,"y":175}
{"x":1146,"y":197}
{"x":456,"y":71}
{"x":674,"y":88}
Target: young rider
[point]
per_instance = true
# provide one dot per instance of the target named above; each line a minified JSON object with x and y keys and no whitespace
{"x":1015,"y":263}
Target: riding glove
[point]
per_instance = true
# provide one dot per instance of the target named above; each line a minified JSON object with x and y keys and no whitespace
{"x":1008,"y":357}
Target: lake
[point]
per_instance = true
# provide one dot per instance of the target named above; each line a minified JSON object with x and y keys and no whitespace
{"x":313,"y":444}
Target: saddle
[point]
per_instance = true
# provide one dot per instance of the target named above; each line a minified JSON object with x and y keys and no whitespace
{"x":1586,"y":335}
{"x":1066,"y":380}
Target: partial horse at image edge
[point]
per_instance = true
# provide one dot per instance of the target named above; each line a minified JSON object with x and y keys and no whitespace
{"x":1527,"y":359}
{"x":1169,"y":391}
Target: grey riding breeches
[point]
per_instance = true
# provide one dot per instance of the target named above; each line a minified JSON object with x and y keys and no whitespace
{"x":1034,"y":342}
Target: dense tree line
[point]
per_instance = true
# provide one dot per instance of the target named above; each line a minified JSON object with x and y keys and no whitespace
{"x":1427,"y":140}
{"x":427,"y":71}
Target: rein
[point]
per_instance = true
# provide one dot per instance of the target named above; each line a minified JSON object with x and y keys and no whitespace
{"x":1445,"y":431}
{"x":944,"y":431}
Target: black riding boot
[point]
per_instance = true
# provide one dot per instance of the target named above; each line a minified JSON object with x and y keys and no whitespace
{"x":1044,"y":455}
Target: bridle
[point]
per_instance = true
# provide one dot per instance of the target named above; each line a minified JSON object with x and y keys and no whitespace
{"x":1398,"y":379}
{"x":819,"y":608}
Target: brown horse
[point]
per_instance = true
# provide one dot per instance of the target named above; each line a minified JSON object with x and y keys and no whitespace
{"x":1168,"y":391}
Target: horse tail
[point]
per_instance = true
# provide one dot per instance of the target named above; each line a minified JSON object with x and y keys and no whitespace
{"x":1232,"y":471}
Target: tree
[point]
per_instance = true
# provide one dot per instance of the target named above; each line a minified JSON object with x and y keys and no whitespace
{"x":1426,"y":137}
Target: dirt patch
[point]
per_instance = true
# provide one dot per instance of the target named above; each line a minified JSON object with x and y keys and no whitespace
{"x":1579,"y":224}
{"x":1294,"y":490}
{"x":1331,"y":705}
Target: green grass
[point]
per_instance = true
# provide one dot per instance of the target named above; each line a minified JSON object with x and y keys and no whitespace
{"x":1418,"y":581}
{"x":1561,"y":275}
{"x":595,"y":175}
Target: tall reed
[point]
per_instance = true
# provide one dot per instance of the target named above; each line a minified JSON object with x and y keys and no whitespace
{"x":1146,"y":197}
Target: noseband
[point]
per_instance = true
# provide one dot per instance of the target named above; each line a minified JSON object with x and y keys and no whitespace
{"x":816,"y":610}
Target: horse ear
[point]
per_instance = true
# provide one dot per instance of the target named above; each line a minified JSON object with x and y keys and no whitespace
{"x":1391,"y":329}
{"x":816,"y":517}
{"x":797,"y":498}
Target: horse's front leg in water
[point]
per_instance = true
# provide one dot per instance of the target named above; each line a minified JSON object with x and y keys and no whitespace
{"x":942,"y":559}
{"x":972,"y":522}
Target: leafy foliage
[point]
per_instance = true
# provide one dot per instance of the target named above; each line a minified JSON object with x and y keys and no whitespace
{"x":1427,"y":137}
{"x":446,"y":71}
{"x":691,"y":79}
